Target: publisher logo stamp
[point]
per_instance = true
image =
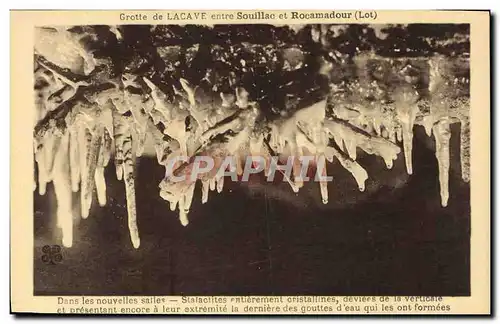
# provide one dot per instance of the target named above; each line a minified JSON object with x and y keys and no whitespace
{"x":51,"y":254}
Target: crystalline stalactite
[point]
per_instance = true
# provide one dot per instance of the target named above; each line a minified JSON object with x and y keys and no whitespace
{"x":173,"y":205}
{"x":164,"y":148}
{"x":350,"y":147}
{"x":406,"y":115}
{"x":297,"y":167}
{"x":357,"y":171}
{"x":220,"y":184}
{"x":371,"y":144}
{"x":50,"y":144}
{"x":139,"y":138}
{"x":399,"y":134}
{"x":129,"y":179}
{"x":441,"y":131}
{"x":205,"y":191}
{"x":124,"y":163}
{"x":427,"y":123}
{"x":172,"y":117}
{"x":160,"y":102}
{"x":93,"y":144}
{"x":185,"y":205}
{"x":84,"y":139}
{"x":406,"y":112}
{"x":139,"y":125}
{"x":62,"y":188}
{"x":74,"y":158}
{"x":43,"y":177}
{"x":102,"y":162}
{"x":407,"y":130}
{"x":268,"y":157}
{"x":323,"y":184}
{"x":359,"y":174}
{"x":119,"y":137}
{"x":443,"y":109}
{"x":100,"y":184}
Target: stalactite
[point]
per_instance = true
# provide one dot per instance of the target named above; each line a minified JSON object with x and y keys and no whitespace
{"x":85,"y":138}
{"x":407,"y":116}
{"x":43,"y":177}
{"x":62,"y":188}
{"x":74,"y":158}
{"x":124,"y":163}
{"x":92,"y":155}
{"x":129,"y":179}
{"x":357,"y":171}
{"x":371,"y":144}
{"x":441,"y":131}
{"x":323,"y":184}
{"x":205,"y":189}
{"x":102,"y":161}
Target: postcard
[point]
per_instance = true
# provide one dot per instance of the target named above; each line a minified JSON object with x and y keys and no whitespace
{"x":290,"y":162}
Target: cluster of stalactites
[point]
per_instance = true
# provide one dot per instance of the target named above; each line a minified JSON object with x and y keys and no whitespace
{"x":74,"y":159}
{"x":308,"y":132}
{"x":74,"y":153}
{"x":396,"y":121}
{"x":117,"y":123}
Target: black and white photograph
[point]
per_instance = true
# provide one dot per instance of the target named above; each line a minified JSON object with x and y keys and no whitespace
{"x":252,"y":159}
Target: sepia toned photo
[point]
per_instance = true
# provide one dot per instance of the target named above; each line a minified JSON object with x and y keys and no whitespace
{"x":212,"y":162}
